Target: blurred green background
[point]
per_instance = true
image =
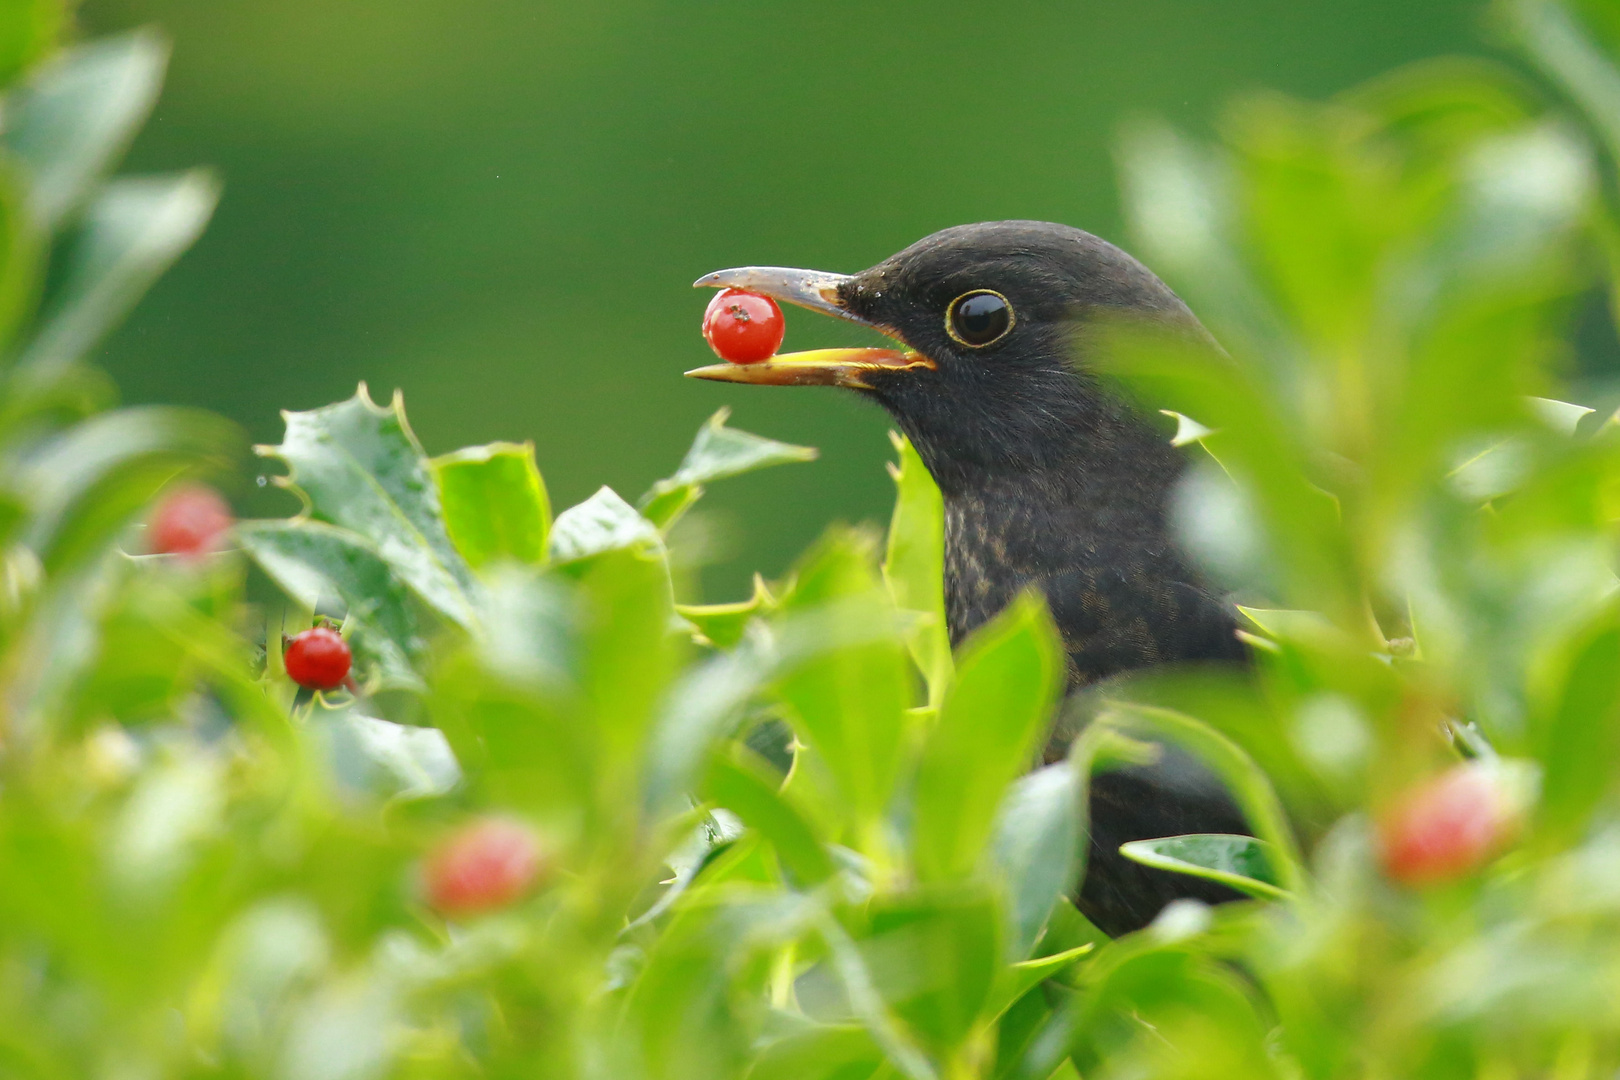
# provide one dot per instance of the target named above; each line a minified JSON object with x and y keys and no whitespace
{"x":499,"y":206}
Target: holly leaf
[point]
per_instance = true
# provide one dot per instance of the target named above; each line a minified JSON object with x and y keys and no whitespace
{"x":718,"y":452}
{"x":494,"y":502}
{"x":359,"y":466}
{"x":315,"y":562}
{"x":914,"y":565}
{"x":1238,"y":861}
{"x":603,"y":522}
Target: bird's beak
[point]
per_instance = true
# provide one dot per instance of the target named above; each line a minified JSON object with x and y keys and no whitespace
{"x":818,"y":291}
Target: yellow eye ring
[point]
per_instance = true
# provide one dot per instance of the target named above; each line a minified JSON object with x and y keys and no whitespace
{"x":979,"y":317}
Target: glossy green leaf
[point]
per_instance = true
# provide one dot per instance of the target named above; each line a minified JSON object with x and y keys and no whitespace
{"x":914,"y":565}
{"x":494,"y":503}
{"x":718,"y":452}
{"x":990,"y":727}
{"x":1249,"y":786}
{"x":360,"y":467}
{"x":1237,"y":861}
{"x":70,"y":123}
{"x":132,"y":232}
{"x":604,"y":522}
{"x":745,"y":785}
{"x":316,"y":563}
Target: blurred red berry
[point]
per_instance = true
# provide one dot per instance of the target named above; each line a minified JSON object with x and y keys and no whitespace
{"x":484,"y":866}
{"x":1447,"y":827}
{"x":191,"y":521}
{"x":743,"y":327}
{"x":318,"y":659}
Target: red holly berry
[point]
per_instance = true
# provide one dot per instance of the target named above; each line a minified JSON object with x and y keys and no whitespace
{"x":318,"y":659}
{"x":743,"y":327}
{"x":481,"y":867}
{"x":1449,"y":826}
{"x":191,"y":521}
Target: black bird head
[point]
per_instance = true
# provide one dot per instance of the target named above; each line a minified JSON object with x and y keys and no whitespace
{"x":994,"y":321}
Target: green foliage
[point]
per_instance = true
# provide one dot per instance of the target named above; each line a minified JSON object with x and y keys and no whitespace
{"x":792,"y":836}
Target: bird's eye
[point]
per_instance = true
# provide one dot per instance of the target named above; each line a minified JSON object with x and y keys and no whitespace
{"x":979,"y":318}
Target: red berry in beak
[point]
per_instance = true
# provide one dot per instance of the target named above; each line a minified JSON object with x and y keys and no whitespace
{"x":318,"y":659}
{"x":191,"y":521}
{"x":743,"y":327}
{"x":486,"y":865}
{"x":1449,"y":826}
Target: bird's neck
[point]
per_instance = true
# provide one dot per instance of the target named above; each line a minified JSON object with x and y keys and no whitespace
{"x":1025,"y":506}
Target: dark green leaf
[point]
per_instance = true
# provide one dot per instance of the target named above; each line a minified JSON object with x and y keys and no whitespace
{"x":315,"y":563}
{"x":1238,"y":861}
{"x":360,"y":467}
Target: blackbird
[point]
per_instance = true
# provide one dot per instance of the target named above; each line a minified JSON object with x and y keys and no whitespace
{"x":1051,"y":478}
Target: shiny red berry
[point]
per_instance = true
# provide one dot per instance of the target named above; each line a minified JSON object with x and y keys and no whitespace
{"x":1447,"y":827}
{"x":481,"y":867}
{"x":191,"y":521}
{"x":743,"y":327}
{"x":318,"y":659}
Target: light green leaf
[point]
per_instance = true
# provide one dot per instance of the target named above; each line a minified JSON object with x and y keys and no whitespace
{"x":823,"y":1052}
{"x":989,"y":727}
{"x":849,"y":704}
{"x":741,"y":783}
{"x":133,"y":232}
{"x":28,"y":30}
{"x":314,"y":563}
{"x":934,"y":955}
{"x":709,"y":698}
{"x":1237,"y":861}
{"x":1037,"y":847}
{"x":88,"y":483}
{"x":718,"y":452}
{"x":914,"y":566}
{"x":360,"y":467}
{"x":1562,"y":416}
{"x":73,"y":120}
{"x":495,"y":504}
{"x":722,"y":625}
{"x":1016,"y":980}
{"x":604,"y":522}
